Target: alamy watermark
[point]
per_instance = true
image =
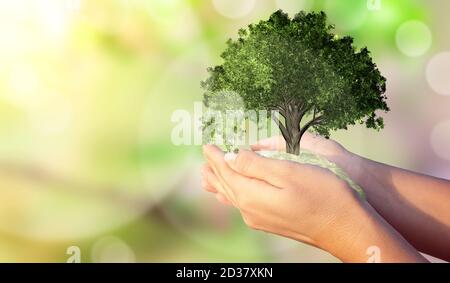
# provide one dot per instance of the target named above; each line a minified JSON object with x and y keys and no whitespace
{"x":74,"y":253}
{"x":374,"y":253}
{"x":228,"y":128}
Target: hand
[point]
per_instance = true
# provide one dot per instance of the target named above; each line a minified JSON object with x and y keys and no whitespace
{"x":411,"y":201}
{"x":314,"y":143}
{"x":302,"y":202}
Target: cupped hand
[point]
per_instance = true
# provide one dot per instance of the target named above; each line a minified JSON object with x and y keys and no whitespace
{"x":298,"y":201}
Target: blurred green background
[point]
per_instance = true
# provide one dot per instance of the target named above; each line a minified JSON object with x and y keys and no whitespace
{"x":87,"y":91}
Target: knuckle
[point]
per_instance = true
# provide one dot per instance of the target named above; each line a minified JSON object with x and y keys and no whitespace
{"x":210,"y":189}
{"x":250,"y":222}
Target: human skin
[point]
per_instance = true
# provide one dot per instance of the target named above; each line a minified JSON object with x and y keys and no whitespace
{"x":305,"y":203}
{"x":416,"y":205}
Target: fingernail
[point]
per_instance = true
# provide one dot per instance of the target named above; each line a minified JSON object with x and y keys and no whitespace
{"x":230,"y":157}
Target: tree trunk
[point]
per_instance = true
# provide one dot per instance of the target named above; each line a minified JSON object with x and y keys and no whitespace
{"x":293,"y":148}
{"x":293,"y":133}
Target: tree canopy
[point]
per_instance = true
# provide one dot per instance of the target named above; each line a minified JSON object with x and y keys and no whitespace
{"x":299,"y":67}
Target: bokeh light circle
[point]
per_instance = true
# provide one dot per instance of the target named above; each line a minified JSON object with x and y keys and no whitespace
{"x":438,"y":73}
{"x":413,"y":38}
{"x":234,"y":9}
{"x":112,"y":250}
{"x":293,"y":6}
{"x":45,"y":191}
{"x":440,"y":139}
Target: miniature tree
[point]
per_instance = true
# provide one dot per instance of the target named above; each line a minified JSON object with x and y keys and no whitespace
{"x":298,"y":67}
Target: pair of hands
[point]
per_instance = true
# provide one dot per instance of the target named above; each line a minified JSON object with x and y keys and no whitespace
{"x":303,"y":202}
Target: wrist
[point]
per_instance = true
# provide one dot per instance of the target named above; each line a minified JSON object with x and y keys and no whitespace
{"x":359,"y":226}
{"x":348,"y":237}
{"x":344,"y":229}
{"x":364,"y":236}
{"x":344,"y":157}
{"x":351,"y":163}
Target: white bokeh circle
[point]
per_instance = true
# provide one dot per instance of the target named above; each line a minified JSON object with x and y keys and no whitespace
{"x":438,"y":73}
{"x":234,"y":9}
{"x":440,"y":139}
{"x":413,"y":38}
{"x":111,"y":249}
{"x":292,"y":7}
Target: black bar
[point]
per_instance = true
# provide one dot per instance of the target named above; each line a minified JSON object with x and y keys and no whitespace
{"x":195,"y":272}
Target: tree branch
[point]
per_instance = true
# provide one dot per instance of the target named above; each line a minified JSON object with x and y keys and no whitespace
{"x":303,"y":111}
{"x":283,"y":129}
{"x":281,"y":110}
{"x":314,"y":121}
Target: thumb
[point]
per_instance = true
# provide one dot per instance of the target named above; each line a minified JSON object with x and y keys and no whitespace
{"x":273,"y":143}
{"x":278,"y":173}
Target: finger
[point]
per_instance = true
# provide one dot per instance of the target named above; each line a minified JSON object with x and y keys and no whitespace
{"x":318,"y":144}
{"x":273,"y":143}
{"x":310,"y":140}
{"x":208,"y":182}
{"x":209,"y":179}
{"x":208,"y":187}
{"x":215,"y":159}
{"x":279,"y":173}
{"x":213,"y":182}
{"x":210,"y":150}
{"x":239,"y":187}
{"x":223,"y":199}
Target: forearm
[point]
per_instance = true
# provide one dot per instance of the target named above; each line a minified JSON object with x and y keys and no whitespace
{"x":369,"y":238}
{"x":417,"y":206}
